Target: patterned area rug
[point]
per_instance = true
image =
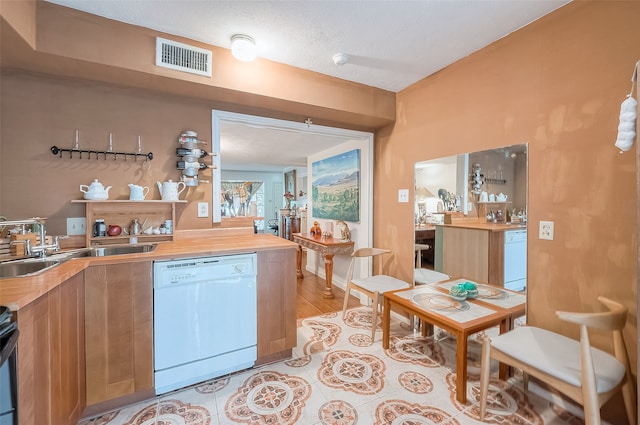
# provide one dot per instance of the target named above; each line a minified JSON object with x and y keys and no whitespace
{"x":338,"y":376}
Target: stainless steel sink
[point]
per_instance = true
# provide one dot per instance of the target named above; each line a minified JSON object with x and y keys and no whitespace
{"x":20,"y":268}
{"x":114,"y":250}
{"x":31,"y":266}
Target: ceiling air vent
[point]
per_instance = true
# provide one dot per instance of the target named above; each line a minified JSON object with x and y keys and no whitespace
{"x":182,"y":57}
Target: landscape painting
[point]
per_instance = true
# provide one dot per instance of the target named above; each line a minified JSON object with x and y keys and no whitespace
{"x":336,"y":187}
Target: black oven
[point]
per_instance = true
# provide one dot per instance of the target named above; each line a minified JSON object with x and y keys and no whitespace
{"x":8,"y":383}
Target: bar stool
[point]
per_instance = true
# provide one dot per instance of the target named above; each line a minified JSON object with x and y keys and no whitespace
{"x":419,"y":247}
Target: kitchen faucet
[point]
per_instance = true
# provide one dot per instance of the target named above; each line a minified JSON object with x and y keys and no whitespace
{"x":39,"y":250}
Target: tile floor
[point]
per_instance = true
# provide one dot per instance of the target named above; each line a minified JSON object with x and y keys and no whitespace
{"x":338,"y":376}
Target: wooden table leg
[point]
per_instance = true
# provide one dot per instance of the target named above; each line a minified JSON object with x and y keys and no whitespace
{"x":386,"y":322}
{"x":328,"y":271}
{"x":461,"y":367}
{"x":504,"y":371}
{"x":299,"y":262}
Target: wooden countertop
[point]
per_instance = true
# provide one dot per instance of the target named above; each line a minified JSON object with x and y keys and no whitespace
{"x":424,"y":227}
{"x":491,"y":227}
{"x":18,"y":292}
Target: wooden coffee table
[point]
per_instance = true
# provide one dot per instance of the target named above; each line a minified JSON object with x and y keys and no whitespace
{"x":458,"y":318}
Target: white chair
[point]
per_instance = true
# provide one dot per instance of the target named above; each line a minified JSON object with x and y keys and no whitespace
{"x":585,"y":374}
{"x":373,"y":286}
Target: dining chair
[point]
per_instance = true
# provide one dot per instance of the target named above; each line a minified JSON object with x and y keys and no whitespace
{"x":587,"y":375}
{"x":373,"y":286}
{"x":426,"y":276}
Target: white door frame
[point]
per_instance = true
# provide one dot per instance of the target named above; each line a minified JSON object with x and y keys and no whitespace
{"x":366,"y":233}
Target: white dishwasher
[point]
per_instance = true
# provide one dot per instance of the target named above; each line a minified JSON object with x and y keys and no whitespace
{"x":204,"y":319}
{"x":515,"y":260}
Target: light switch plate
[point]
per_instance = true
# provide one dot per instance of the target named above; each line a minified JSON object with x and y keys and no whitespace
{"x":203,"y":209}
{"x":403,"y":195}
{"x":76,"y":226}
{"x":546,"y":230}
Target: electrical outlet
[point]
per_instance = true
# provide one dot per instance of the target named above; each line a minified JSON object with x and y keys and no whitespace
{"x":203,"y":209}
{"x":546,"y":230}
{"x":403,"y":195}
{"x":76,"y":226}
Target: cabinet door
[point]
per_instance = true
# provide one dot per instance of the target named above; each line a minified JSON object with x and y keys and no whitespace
{"x":68,"y":369}
{"x":34,"y":366}
{"x":277,"y":316}
{"x":51,"y":356}
{"x":118,"y":332}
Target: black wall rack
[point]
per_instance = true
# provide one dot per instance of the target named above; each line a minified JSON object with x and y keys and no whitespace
{"x":58,"y":151}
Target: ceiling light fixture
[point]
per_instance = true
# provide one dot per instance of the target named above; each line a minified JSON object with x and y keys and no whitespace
{"x":340,"y":58}
{"x":243,"y":47}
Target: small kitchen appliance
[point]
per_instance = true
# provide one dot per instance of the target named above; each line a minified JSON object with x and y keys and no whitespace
{"x":99,"y":228}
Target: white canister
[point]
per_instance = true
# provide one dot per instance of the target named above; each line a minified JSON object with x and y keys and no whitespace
{"x":253,"y":209}
{"x":168,"y":225}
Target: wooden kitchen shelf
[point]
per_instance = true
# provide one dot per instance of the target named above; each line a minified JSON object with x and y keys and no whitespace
{"x":122,"y":212}
{"x":484,"y":206}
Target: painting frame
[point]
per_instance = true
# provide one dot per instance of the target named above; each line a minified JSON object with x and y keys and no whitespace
{"x":290,"y":183}
{"x":335,"y":187}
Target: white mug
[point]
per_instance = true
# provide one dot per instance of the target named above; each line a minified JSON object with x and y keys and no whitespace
{"x":492,"y":198}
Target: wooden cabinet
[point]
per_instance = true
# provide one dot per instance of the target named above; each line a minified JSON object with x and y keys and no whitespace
{"x":119,"y":335}
{"x":289,"y":225}
{"x":277,"y":333}
{"x":475,"y":254}
{"x":122,"y":213}
{"x":51,"y":356}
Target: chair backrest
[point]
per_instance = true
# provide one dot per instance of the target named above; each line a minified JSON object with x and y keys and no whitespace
{"x":614,"y":320}
{"x":366,"y":252}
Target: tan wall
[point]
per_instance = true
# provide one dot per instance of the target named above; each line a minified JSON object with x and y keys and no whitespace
{"x":556,"y":84}
{"x":39,"y":112}
{"x":76,"y":44}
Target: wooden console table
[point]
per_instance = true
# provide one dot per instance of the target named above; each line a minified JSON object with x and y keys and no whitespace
{"x":327,"y":247}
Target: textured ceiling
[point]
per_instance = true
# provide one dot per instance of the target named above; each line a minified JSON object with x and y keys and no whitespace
{"x":391,"y":44}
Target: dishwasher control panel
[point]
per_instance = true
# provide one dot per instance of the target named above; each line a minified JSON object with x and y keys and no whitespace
{"x":173,"y":272}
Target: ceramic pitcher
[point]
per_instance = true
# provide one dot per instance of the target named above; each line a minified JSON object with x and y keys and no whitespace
{"x":170,"y":190}
{"x":137,"y":193}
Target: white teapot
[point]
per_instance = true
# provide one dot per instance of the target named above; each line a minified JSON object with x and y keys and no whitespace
{"x":95,"y":191}
{"x":169,"y":190}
